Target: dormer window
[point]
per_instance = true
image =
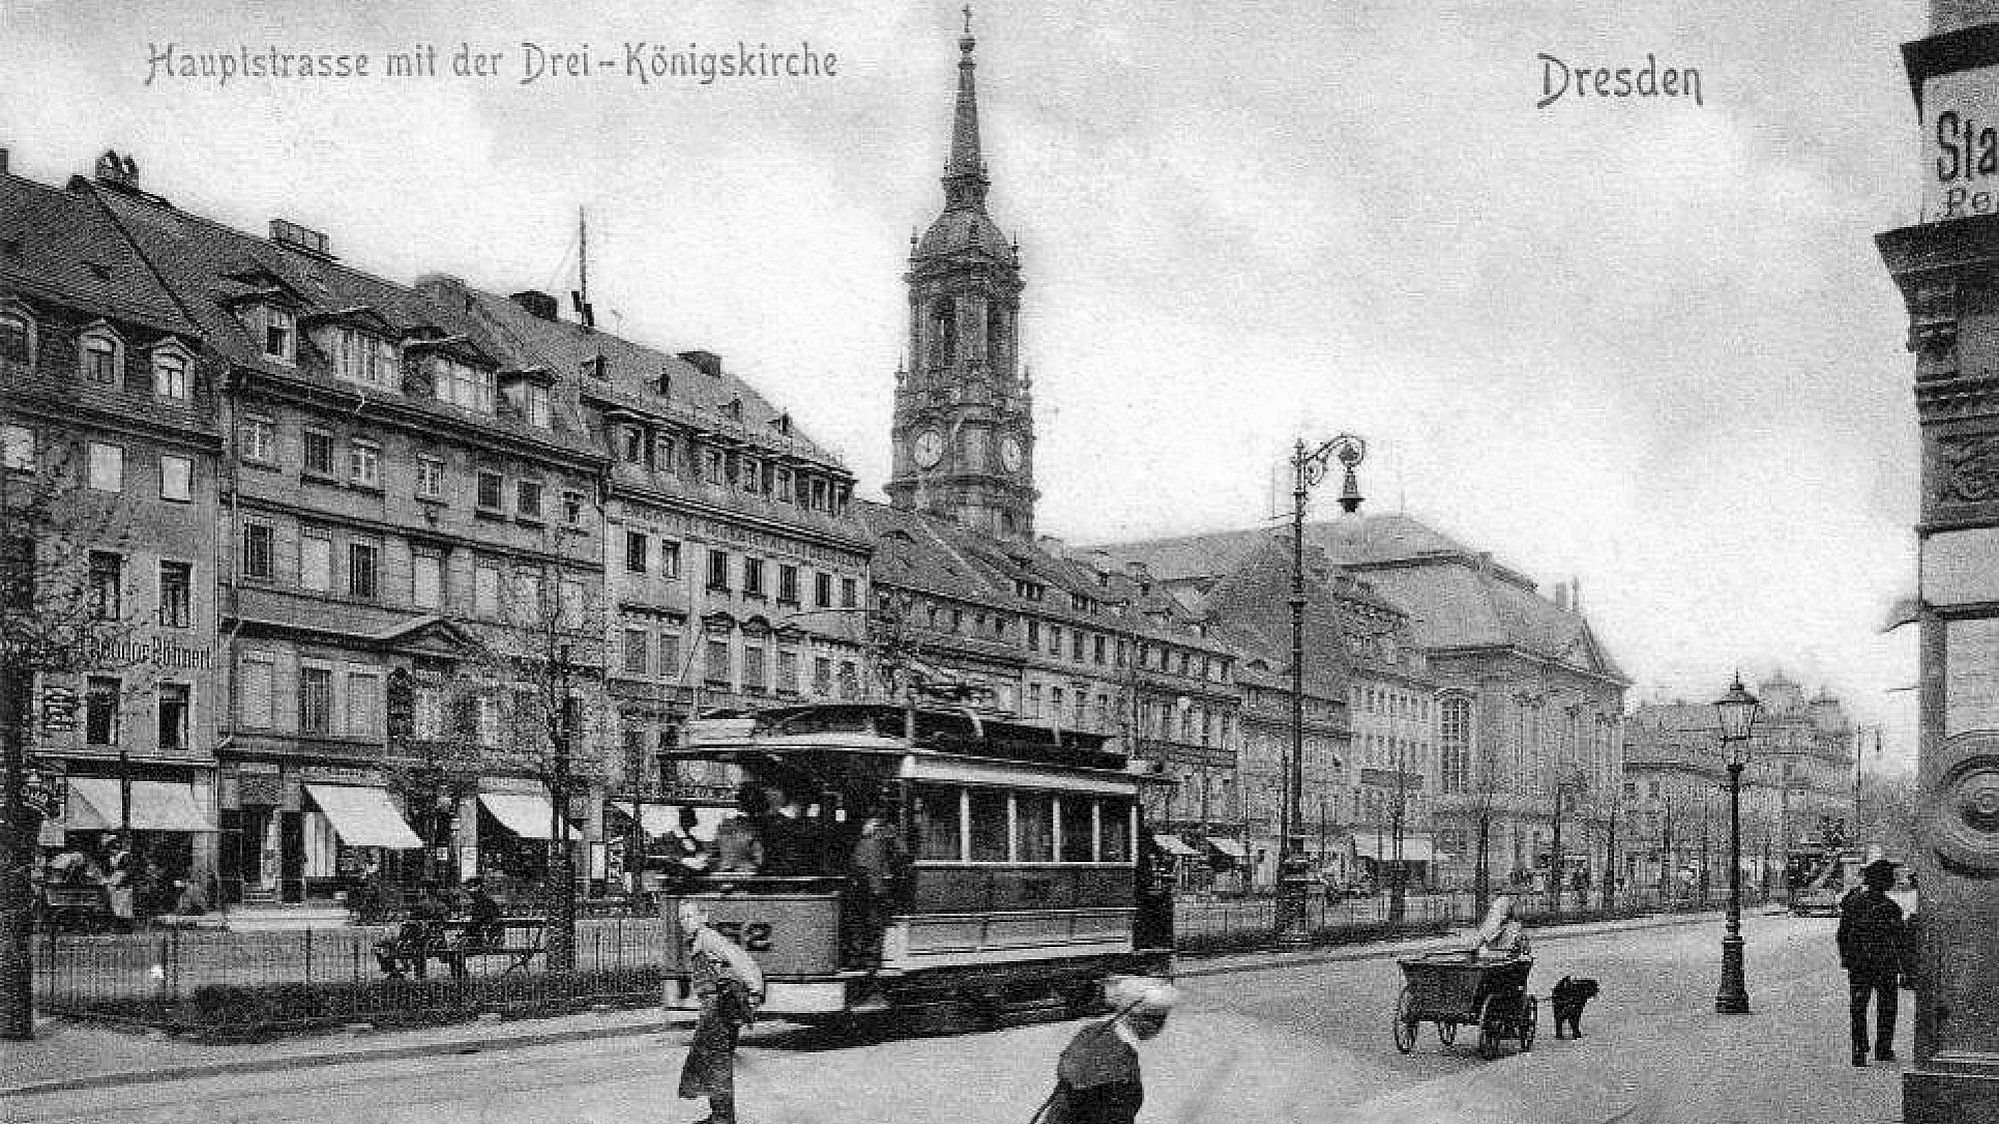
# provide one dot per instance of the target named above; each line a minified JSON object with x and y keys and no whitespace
{"x":17,"y":336}
{"x":819,"y":494}
{"x":101,"y":354}
{"x":171,"y":363}
{"x":750,"y":475}
{"x":632,"y":444}
{"x":360,"y":357}
{"x":782,"y":485}
{"x":280,"y":334}
{"x":713,"y":466}
{"x":462,"y":384}
{"x":539,"y":409}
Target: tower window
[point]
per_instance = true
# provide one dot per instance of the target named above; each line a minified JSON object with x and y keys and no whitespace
{"x":944,"y":332}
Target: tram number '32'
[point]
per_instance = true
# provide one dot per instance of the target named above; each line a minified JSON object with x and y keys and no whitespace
{"x":752,"y":935}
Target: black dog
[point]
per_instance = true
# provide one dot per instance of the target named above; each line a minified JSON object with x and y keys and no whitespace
{"x":1569,"y":998}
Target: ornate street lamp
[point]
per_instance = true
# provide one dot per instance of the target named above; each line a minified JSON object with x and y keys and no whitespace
{"x":1737,"y":713}
{"x":1294,"y":869}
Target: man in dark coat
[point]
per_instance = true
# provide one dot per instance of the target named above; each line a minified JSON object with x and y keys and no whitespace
{"x":1097,"y":1080}
{"x":1871,"y":943}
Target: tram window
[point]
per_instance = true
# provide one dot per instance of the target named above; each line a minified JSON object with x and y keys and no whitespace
{"x":989,"y":834}
{"x":1035,"y":816}
{"x":1076,"y":845}
{"x":1114,"y":822}
{"x":937,"y":824}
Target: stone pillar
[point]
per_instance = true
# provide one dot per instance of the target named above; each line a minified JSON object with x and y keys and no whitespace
{"x":1947,"y":267}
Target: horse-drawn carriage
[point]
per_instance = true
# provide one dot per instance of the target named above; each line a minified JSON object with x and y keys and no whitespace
{"x":1455,"y":989}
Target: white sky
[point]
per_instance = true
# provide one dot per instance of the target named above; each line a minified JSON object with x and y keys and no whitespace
{"x":1646,"y":344}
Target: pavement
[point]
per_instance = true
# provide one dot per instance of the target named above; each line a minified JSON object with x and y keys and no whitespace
{"x":73,"y":1056}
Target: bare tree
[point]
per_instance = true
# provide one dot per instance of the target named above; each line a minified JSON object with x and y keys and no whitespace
{"x":539,"y":678}
{"x":55,"y":622}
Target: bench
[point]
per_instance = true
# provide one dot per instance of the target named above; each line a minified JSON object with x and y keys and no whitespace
{"x":519,"y":940}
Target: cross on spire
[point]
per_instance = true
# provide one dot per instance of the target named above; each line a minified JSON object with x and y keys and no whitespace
{"x":968,"y":19}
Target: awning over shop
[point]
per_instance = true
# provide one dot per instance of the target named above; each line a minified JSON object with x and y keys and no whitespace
{"x":363,"y":817}
{"x":1415,"y":848}
{"x":659,"y":819}
{"x":156,"y":806}
{"x":1171,"y":845}
{"x":523,"y":813}
{"x":1233,"y":848}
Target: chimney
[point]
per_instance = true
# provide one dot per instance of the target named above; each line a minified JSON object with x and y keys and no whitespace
{"x":1575,"y":595}
{"x":1562,"y":595}
{"x":706,"y":362}
{"x":540,"y":305}
{"x":114,"y":170}
{"x":3,"y":161}
{"x":1052,"y":545}
{"x":299,"y":237}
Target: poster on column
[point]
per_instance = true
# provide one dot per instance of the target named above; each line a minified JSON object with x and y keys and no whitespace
{"x":1961,"y":144}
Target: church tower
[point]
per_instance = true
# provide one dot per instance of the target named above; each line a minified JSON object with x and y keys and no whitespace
{"x":964,"y":418}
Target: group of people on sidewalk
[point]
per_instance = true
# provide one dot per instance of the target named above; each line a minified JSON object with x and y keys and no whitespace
{"x":421,"y":937}
{"x":125,"y":888}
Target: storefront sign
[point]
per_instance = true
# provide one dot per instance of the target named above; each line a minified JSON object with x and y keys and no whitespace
{"x":1961,"y":144}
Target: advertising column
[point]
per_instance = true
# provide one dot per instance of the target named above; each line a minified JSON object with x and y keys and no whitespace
{"x":1947,"y":267}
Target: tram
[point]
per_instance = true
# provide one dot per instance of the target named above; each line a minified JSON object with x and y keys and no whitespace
{"x":1029,"y":875}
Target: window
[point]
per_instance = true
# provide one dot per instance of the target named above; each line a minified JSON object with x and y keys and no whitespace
{"x":636,"y":651}
{"x":1034,"y":819}
{"x":527,"y":595}
{"x":360,"y":357}
{"x":750,"y":475}
{"x":753,"y":577}
{"x":279,"y":333}
{"x":1455,"y":719}
{"x":364,"y":463}
{"x":486,"y":719}
{"x":259,"y":440}
{"x":176,"y":594}
{"x":669,"y":559}
{"x":17,"y":338}
{"x":107,"y":467}
{"x":258,"y":550}
{"x":822,"y":675}
{"x":107,"y":583}
{"x":1097,"y":649}
{"x":170,"y":373}
{"x":176,"y":478}
{"x":781,"y":484}
{"x":527,"y":499}
{"x":429,"y":478}
{"x":1076,"y":646}
{"x":1078,"y":837}
{"x":787,"y":672}
{"x":665,"y":453}
{"x":850,"y":680}
{"x":486,"y":591}
{"x":989,"y":826}
{"x":17,"y":447}
{"x":315,"y":700}
{"x":253,"y":689}
{"x":538,"y":412}
{"x":713,"y":466}
{"x":718,"y":570}
{"x":99,"y":356}
{"x":753,"y":668}
{"x":572,"y":508}
{"x":818,"y":494}
{"x":427,"y":579}
{"x":492,"y":491}
{"x":427,"y":711}
{"x":1054,"y":639}
{"x":1033,"y":633}
{"x":849,"y":593}
{"x":716,"y":670}
{"x":364,"y":705}
{"x":315,"y":563}
{"x":937,"y":832}
{"x":318,"y":453}
{"x":462,"y":385}
{"x":635,"y":552}
{"x":632,"y":445}
{"x":100,"y":717}
{"x":1113,"y":832}
{"x":787,"y":584}
{"x":363,"y":569}
{"x":1034,"y":700}
{"x":822,"y":591}
{"x":669,"y":655}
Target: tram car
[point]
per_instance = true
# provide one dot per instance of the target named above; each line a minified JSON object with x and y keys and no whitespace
{"x":1026,"y":875}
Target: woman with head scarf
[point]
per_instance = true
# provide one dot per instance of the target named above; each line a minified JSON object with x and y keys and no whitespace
{"x":1097,"y":1080}
{"x":729,"y":985}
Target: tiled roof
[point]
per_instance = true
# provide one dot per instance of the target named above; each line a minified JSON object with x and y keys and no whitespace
{"x":1251,"y":605}
{"x":632,"y":375}
{"x":63,"y":246}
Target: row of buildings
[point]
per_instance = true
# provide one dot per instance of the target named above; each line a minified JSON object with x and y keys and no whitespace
{"x":377,"y":566}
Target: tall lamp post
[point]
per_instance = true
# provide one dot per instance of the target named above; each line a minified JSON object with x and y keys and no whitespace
{"x":1308,"y":467}
{"x":1737,"y":713}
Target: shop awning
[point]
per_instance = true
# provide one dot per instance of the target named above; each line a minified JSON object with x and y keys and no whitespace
{"x":1415,"y":848}
{"x":156,"y":806}
{"x":1233,"y":848}
{"x":523,"y":813}
{"x":1171,"y":845}
{"x":363,"y":817}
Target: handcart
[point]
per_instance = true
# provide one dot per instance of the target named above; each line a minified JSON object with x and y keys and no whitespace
{"x":1460,"y":988}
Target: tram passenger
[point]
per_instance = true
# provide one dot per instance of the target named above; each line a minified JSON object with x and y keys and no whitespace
{"x":875,"y":865}
{"x":790,"y":841}
{"x":738,"y":846}
{"x":686,"y":856}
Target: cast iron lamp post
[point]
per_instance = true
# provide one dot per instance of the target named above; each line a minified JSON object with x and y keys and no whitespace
{"x":1737,"y":712}
{"x":1294,"y":870}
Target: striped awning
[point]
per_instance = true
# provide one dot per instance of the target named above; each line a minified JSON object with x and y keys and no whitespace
{"x":363,"y":816}
{"x":96,"y":805}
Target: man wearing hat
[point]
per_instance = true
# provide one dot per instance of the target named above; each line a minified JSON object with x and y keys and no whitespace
{"x":1870,"y":949}
{"x":1097,"y":1079}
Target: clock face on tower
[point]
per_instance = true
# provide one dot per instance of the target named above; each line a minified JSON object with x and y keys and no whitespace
{"x":929,"y":448}
{"x":1010,"y":453}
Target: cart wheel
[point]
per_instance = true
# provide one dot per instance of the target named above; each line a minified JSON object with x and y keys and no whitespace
{"x":1529,"y":1017}
{"x":1405,"y":1026}
{"x":1447,"y":1033}
{"x":1490,"y":1025}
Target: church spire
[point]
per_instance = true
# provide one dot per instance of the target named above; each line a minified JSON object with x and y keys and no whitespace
{"x":965,"y":180}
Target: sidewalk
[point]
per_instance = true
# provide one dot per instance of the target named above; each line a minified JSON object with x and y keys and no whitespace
{"x":72,"y":1055}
